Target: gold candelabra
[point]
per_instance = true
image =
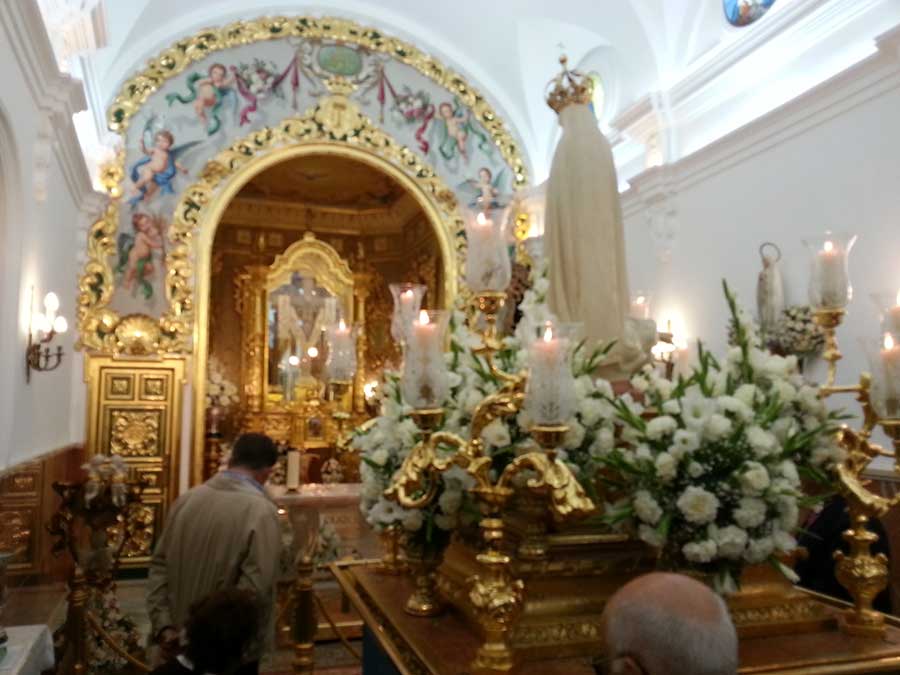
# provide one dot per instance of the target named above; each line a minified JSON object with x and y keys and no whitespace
{"x":863,"y":574}
{"x":496,"y":595}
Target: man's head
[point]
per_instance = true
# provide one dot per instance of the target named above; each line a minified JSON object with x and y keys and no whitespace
{"x":661,"y":624}
{"x":255,"y":454}
{"x":219,"y":628}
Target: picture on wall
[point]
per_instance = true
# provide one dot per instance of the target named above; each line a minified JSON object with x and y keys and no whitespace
{"x":745,"y":12}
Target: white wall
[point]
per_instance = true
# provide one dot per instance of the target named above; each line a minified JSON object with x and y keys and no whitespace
{"x":45,"y":188}
{"x":828,"y":160}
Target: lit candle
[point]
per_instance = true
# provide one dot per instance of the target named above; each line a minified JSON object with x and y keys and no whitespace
{"x":407,"y":301}
{"x":293,"y":470}
{"x":892,"y":319}
{"x":640,"y":306}
{"x":551,"y":387}
{"x":488,"y":268}
{"x":424,"y":333}
{"x":341,"y":363}
{"x":425,"y":383}
{"x":830,"y":274}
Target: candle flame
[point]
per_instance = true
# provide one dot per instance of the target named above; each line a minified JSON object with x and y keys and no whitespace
{"x":548,"y":332}
{"x":481,"y":219}
{"x":640,"y":300}
{"x":888,"y":341}
{"x":293,"y":360}
{"x":341,"y":325}
{"x":424,"y":320}
{"x":407,"y":293}
{"x":828,"y":246}
{"x":312,"y":352}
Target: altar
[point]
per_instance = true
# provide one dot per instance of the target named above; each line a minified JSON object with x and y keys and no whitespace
{"x":409,"y":643}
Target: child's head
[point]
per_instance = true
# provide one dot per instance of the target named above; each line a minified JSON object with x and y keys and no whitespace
{"x":164,"y":139}
{"x":217,"y":72}
{"x":445,"y":109}
{"x":485,"y":174}
{"x":141,"y":222}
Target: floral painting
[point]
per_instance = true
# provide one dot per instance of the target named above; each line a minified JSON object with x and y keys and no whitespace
{"x":745,"y":12}
{"x":223,"y":98}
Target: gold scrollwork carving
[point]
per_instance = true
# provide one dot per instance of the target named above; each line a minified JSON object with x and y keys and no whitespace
{"x":135,"y":433}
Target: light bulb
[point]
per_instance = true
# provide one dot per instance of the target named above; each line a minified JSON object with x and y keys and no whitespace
{"x":294,"y":360}
{"x":888,"y":342}
{"x":312,"y":352}
{"x":60,"y":325}
{"x":828,"y":246}
{"x":51,"y":302}
{"x":423,"y":318}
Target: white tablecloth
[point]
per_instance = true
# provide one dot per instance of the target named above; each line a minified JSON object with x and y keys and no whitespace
{"x":29,"y":651}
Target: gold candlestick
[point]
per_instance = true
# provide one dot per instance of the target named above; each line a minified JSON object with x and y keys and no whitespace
{"x":829,"y":320}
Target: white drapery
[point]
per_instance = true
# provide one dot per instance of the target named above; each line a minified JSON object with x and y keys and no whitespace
{"x":584,"y":237}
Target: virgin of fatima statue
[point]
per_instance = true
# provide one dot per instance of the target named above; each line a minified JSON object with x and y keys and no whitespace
{"x":584,"y":240}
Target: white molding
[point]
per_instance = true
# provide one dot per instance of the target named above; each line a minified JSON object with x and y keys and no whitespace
{"x":56,"y":95}
{"x":862,"y":82}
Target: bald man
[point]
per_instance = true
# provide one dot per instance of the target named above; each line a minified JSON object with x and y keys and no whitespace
{"x":668,"y":624}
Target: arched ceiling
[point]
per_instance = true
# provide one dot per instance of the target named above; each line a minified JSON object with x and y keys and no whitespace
{"x":507,"y":48}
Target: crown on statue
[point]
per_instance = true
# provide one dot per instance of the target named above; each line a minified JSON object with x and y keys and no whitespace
{"x":570,"y":86}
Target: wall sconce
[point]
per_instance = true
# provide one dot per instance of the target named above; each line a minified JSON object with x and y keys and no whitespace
{"x":44,"y":327}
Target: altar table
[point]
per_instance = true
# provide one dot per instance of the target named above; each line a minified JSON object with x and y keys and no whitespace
{"x":446,"y":644}
{"x":29,"y":651}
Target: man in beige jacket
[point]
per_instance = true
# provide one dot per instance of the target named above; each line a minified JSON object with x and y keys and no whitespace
{"x":222,"y":534}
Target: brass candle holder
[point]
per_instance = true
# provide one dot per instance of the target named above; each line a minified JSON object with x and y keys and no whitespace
{"x":494,"y":593}
{"x":863,"y":574}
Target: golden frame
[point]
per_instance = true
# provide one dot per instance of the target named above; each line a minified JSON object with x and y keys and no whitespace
{"x":196,"y":232}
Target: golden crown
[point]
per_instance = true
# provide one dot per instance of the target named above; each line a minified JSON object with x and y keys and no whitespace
{"x":570,"y":86}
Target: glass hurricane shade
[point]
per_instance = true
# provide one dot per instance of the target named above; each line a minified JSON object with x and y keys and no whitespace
{"x":488,"y":265}
{"x":829,"y":277}
{"x":425,"y":383}
{"x":884,"y":362}
{"x":550,"y":397}
{"x":340,"y":365}
{"x":407,"y":303}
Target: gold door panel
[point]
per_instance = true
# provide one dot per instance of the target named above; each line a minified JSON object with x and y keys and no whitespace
{"x":135,"y":411}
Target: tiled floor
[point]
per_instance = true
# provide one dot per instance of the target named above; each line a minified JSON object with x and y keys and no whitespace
{"x":47,"y":604}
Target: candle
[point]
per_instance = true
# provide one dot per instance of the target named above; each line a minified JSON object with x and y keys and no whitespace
{"x":293,"y":470}
{"x":424,"y":383}
{"x":407,"y":301}
{"x":892,"y":319}
{"x":831,"y":283}
{"x":640,"y":306}
{"x":341,"y":362}
{"x":488,"y":268}
{"x":551,"y":387}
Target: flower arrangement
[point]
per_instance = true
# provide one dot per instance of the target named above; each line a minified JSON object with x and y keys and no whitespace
{"x":711,"y":465}
{"x":103,"y":604}
{"x":220,"y":392}
{"x":797,"y":333}
{"x":259,"y":77}
{"x":411,"y":107}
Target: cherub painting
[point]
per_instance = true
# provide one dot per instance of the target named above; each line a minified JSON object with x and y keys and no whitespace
{"x":484,"y":192}
{"x":158,"y":168}
{"x":141,"y":254}
{"x":208,"y":93}
{"x":745,"y":12}
{"x":455,"y":130}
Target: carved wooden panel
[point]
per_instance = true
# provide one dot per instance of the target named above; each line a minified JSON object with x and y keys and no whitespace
{"x":135,"y":411}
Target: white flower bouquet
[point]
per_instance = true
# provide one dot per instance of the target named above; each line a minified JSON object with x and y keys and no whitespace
{"x":220,"y":392}
{"x":711,"y":465}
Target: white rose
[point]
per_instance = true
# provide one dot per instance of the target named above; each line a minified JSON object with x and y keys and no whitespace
{"x":379,"y":457}
{"x":735,"y":406}
{"x":698,"y":505}
{"x":788,"y":471}
{"x":784,"y":428}
{"x":699,"y":551}
{"x":746,"y":394}
{"x":786,"y":392}
{"x":650,"y":536}
{"x":496,"y":434}
{"x":762,"y":441}
{"x":731,"y":541}
{"x":666,"y":467}
{"x":788,"y":512}
{"x":646,"y":508}
{"x":755,"y":478}
{"x":734,"y":355}
{"x":661,"y":426}
{"x":720,"y":383}
{"x":574,"y":436}
{"x":640,"y":383}
{"x":784,"y":542}
{"x":583,"y":386}
{"x":672,"y":407}
{"x":686,"y":441}
{"x":643,"y":452}
{"x":810,"y":401}
{"x":591,"y":410}
{"x":454,"y":379}
{"x":695,"y":470}
{"x":751,"y":512}
{"x":413,"y":520}
{"x":696,"y":408}
{"x":603,"y":387}
{"x":759,"y":550}
{"x":717,"y":427}
{"x":663,"y":388}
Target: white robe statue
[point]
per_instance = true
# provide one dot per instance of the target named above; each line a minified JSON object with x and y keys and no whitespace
{"x":584,"y":239}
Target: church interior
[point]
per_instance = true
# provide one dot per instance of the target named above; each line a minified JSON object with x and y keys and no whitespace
{"x":527,"y":308}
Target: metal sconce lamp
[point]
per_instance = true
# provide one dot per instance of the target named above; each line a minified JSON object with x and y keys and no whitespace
{"x":44,"y":327}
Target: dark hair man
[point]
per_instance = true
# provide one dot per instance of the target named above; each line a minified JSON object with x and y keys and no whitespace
{"x":218,"y":629}
{"x":222,"y":534}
